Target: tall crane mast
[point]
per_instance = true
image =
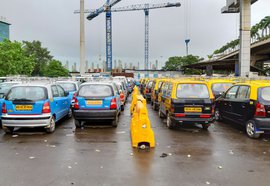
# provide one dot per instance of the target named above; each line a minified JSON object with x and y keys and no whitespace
{"x":107,"y":9}
{"x":146,"y":8}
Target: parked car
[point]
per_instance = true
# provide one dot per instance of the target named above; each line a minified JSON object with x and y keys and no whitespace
{"x":147,"y":90}
{"x":187,"y":101}
{"x":246,"y":104}
{"x":155,"y":90}
{"x":97,"y":101}
{"x":35,"y":105}
{"x":124,"y":88}
{"x":219,"y":86}
{"x":122,"y":94}
{"x":71,"y":87}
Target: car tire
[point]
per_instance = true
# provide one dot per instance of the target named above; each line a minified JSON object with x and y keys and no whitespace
{"x":218,"y":116}
{"x":122,"y":108}
{"x":8,"y":130}
{"x":251,"y":130}
{"x":205,"y":126}
{"x":160,"y":114}
{"x":154,"y":106}
{"x":169,"y":122}
{"x":51,"y":129}
{"x":78,"y":123}
{"x":115,"y":121}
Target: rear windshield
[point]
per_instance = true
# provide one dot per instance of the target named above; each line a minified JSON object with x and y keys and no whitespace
{"x":96,"y":91}
{"x":221,"y":87}
{"x":27,"y":94}
{"x":192,"y":91}
{"x":265,"y":93}
{"x":68,"y":87}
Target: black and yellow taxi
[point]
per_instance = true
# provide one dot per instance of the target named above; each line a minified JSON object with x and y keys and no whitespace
{"x":219,"y":85}
{"x":186,"y":101}
{"x":156,"y":88}
{"x":247,"y":104}
{"x":147,"y":89}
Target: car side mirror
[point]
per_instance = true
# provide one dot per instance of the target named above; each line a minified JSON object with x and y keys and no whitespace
{"x":66,"y":94}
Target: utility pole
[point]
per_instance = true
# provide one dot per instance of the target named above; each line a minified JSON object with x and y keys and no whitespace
{"x":82,"y":39}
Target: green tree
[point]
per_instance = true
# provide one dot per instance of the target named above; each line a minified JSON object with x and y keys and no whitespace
{"x":41,"y":56}
{"x":177,"y":63}
{"x":13,"y":59}
{"x":55,"y":69}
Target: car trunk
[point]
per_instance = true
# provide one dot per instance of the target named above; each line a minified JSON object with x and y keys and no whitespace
{"x":24,"y":107}
{"x":192,"y":107}
{"x":95,"y":103}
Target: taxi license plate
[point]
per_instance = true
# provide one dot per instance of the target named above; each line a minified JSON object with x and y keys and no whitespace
{"x":24,"y":107}
{"x":94,"y":102}
{"x":193,"y":109}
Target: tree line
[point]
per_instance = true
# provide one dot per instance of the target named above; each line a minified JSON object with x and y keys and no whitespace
{"x":28,"y":58}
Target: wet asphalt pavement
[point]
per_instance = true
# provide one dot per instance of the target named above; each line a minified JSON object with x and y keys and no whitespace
{"x":101,"y":155}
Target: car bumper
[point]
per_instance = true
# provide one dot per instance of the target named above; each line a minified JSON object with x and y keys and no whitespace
{"x":192,"y":120}
{"x":95,"y":114}
{"x":262,"y":124}
{"x":26,"y":121}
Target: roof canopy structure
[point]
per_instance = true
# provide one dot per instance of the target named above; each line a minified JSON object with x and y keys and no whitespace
{"x":233,"y":6}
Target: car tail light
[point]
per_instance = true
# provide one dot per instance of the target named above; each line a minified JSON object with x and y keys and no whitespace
{"x":4,"y":108}
{"x":122,"y":97}
{"x":46,"y":107}
{"x":180,"y":115}
{"x":205,"y":116}
{"x":146,"y":90}
{"x":76,"y":103}
{"x":113,"y":104}
{"x":260,"y":110}
{"x":213,"y":109}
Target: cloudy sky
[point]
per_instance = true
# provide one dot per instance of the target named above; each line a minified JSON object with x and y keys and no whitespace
{"x":54,"y":24}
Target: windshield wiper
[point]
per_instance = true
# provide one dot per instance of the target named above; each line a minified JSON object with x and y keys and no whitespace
{"x":22,"y":99}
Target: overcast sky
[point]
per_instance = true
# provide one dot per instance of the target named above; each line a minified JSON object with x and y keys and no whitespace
{"x":54,"y":24}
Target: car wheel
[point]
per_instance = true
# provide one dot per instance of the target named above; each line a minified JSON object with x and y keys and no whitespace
{"x":251,"y":129}
{"x":169,"y":122}
{"x":205,"y":126}
{"x":115,"y":121}
{"x":8,"y":130}
{"x":51,"y":128}
{"x":78,"y":123}
{"x":122,"y":108}
{"x":160,"y":114}
{"x":217,"y":115}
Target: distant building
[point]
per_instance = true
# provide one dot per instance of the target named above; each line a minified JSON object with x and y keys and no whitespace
{"x":4,"y":29}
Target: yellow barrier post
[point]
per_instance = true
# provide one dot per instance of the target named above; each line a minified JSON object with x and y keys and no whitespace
{"x":134,"y":99}
{"x":140,"y":129}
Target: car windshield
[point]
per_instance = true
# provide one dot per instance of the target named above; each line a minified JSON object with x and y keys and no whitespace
{"x":221,"y":87}
{"x":69,"y":87}
{"x":265,"y":93}
{"x":192,"y":91}
{"x":96,"y":90}
{"x":26,"y":93}
{"x":4,"y":88}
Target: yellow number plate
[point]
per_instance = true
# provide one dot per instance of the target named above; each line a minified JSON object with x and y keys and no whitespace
{"x":94,"y":102}
{"x":193,"y":109}
{"x":24,"y":107}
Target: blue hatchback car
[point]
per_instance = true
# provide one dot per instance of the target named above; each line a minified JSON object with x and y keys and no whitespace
{"x":30,"y":105}
{"x":97,"y":101}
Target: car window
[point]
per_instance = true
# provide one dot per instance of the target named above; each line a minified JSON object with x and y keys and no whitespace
{"x":96,"y":90}
{"x":169,"y":91}
{"x":265,"y":93}
{"x":221,"y":87}
{"x":61,"y":91}
{"x":55,"y":92}
{"x":27,"y":93}
{"x":164,"y":88}
{"x":69,"y":87}
{"x":5,"y":87}
{"x":231,"y":94}
{"x":192,"y":91}
{"x":243,"y":92}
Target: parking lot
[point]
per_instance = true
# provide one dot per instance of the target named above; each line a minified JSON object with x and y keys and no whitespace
{"x":101,"y":155}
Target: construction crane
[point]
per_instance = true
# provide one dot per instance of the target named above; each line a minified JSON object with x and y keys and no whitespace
{"x":146,"y":8}
{"x":92,"y":14}
{"x":107,"y":7}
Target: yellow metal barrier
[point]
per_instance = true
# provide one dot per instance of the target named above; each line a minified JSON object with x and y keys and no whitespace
{"x":140,"y":128}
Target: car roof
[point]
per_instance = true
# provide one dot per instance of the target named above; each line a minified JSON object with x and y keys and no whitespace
{"x":98,"y":83}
